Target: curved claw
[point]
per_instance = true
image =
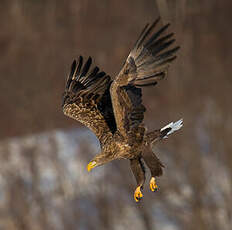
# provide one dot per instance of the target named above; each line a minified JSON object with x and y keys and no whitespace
{"x":138,"y":194}
{"x":153,"y":185}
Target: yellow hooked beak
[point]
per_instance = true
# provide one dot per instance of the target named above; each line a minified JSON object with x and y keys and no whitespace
{"x":91,"y":165}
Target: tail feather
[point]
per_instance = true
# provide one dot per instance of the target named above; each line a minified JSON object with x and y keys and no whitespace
{"x":164,"y":132}
{"x":171,"y":128}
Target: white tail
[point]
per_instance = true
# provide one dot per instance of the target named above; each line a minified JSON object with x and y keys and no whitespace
{"x":174,"y":127}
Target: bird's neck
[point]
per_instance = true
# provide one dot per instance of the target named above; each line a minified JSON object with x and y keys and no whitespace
{"x":105,"y":157}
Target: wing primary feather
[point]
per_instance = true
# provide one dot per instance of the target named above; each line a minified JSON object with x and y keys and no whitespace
{"x":162,"y":63}
{"x":86,"y":67}
{"x":147,"y":84}
{"x":154,"y":47}
{"x":163,"y":58}
{"x":156,"y":51}
{"x":92,"y":77}
{"x":69,"y":80}
{"x":156,"y":35}
{"x":147,"y":32}
{"x":141,"y":34}
{"x":95,"y":78}
{"x":142,"y":54}
{"x":101,"y":74}
{"x":161,"y":75}
{"x":167,"y":53}
{"x":159,"y":48}
{"x":80,"y":62}
{"x":94,"y":72}
{"x":161,"y":40}
{"x":99,"y":86}
{"x":76,"y":74}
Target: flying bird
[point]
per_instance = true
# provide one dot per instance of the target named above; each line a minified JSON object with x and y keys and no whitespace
{"x":113,"y":109}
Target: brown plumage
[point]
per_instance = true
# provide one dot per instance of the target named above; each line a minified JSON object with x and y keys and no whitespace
{"x":113,"y":109}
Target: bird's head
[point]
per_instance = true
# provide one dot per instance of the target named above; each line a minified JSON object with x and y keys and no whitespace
{"x":98,"y":160}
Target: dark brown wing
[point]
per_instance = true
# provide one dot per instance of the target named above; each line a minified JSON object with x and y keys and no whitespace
{"x":151,"y":56}
{"x":87,"y":98}
{"x":147,"y":62}
{"x":128,"y":111}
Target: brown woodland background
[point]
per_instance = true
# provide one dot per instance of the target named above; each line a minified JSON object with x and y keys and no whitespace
{"x":43,"y":154}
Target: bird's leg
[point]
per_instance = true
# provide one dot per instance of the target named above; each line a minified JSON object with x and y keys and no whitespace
{"x":155,"y":166}
{"x":139,"y":173}
{"x":138,"y":194}
{"x":153,"y":185}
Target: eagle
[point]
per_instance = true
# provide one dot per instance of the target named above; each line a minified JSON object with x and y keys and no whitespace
{"x":113,"y":109}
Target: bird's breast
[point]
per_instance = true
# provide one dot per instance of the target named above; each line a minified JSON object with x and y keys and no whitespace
{"x":119,"y":148}
{"x":126,"y":151}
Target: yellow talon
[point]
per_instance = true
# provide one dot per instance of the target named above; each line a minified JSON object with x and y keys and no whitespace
{"x":138,"y":194}
{"x":153,"y":185}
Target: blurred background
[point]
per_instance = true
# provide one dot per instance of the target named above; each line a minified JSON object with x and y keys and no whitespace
{"x":43,"y":154}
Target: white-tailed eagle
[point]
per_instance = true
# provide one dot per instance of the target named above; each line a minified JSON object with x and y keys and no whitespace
{"x":113,"y":109}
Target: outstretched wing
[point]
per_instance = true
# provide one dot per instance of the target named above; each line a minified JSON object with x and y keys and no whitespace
{"x":87,"y":98}
{"x":146,"y":64}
